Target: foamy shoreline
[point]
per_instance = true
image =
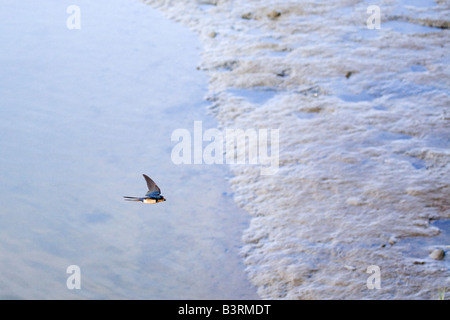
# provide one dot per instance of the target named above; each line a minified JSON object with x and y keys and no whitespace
{"x":363,"y":148}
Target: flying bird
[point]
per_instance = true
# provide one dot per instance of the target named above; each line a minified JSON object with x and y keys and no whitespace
{"x":152,"y":196}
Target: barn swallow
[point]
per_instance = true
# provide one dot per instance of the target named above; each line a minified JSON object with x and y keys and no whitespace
{"x":153,"y":195}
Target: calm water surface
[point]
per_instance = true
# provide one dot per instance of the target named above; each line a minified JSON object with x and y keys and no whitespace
{"x":84,"y":113}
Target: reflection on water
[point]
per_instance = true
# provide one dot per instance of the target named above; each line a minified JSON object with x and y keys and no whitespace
{"x":421,"y":247}
{"x":84,"y":114}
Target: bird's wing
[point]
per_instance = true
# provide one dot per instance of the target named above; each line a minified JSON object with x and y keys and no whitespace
{"x":153,"y":195}
{"x":152,"y":187}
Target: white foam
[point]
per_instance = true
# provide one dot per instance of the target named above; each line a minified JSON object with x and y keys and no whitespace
{"x":378,"y":131}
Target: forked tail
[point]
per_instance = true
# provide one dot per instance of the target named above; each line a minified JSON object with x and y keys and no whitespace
{"x":131,"y":198}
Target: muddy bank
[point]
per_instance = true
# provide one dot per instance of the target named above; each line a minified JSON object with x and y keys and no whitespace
{"x":364,"y":147}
